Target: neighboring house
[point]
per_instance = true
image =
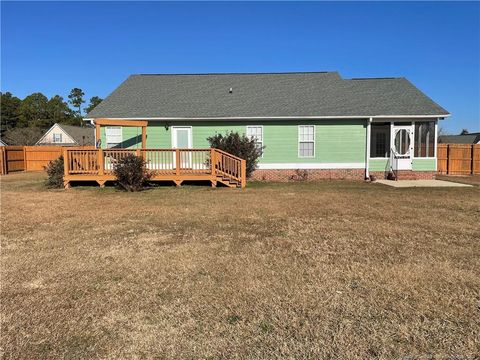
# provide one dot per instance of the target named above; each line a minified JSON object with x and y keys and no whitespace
{"x":68,"y":135}
{"x":2,"y":143}
{"x":471,"y":138}
{"x":319,"y":122}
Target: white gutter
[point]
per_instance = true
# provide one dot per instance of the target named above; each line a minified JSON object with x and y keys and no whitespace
{"x":367,"y":152}
{"x":274,"y":117}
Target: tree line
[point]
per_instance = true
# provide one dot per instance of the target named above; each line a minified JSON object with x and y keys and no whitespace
{"x":23,"y":122}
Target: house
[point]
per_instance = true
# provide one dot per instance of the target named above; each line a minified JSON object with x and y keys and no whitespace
{"x":2,"y":143}
{"x":319,"y":122}
{"x":68,"y":135}
{"x":471,"y":138}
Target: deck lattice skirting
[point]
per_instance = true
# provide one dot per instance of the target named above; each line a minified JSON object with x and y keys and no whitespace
{"x":175,"y":165}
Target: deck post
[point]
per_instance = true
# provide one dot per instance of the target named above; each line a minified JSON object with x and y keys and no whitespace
{"x":177,"y":161}
{"x":212,"y":162}
{"x":244,"y":173}
{"x":97,"y":134}
{"x":144,"y":137}
{"x":100,"y":162}
{"x":65,"y":168}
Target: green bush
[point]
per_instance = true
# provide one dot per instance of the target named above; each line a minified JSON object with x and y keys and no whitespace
{"x":54,"y":170}
{"x":238,"y":145}
{"x":131,"y":173}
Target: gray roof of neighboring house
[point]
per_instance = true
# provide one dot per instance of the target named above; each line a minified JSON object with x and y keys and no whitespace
{"x":263,"y":95}
{"x":83,"y":135}
{"x":472,"y":138}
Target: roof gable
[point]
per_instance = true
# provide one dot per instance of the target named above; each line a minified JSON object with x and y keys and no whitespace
{"x":77,"y":134}
{"x":263,"y":95}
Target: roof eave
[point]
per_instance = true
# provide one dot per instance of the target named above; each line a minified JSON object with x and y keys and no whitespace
{"x":171,"y":118}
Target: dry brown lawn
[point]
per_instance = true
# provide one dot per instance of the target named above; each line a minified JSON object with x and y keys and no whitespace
{"x":303,"y":270}
{"x":466,"y":179}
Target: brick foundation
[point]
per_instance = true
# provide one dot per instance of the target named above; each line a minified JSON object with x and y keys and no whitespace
{"x":407,"y":175}
{"x":333,"y":174}
{"x":307,"y":175}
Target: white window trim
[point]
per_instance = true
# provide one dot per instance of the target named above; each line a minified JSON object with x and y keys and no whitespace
{"x":263,"y":134}
{"x":54,"y":141}
{"x":314,"y":140}
{"x":106,"y":136}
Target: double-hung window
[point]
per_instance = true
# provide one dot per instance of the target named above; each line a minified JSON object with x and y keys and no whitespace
{"x":306,"y":141}
{"x":256,"y":132}
{"x":57,"y":138}
{"x":113,"y":136}
{"x":425,"y":139}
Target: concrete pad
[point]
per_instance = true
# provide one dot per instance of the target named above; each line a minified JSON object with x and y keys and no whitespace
{"x":420,"y":183}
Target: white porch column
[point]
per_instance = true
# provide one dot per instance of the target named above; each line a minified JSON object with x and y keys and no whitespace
{"x":367,"y":152}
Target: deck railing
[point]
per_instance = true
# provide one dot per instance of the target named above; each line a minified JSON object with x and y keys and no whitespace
{"x":176,"y":163}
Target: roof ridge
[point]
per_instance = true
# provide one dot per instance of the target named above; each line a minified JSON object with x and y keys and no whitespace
{"x":241,"y":73}
{"x":378,"y":78}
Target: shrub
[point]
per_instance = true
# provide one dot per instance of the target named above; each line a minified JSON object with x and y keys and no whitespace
{"x":131,"y":173}
{"x":54,"y":170}
{"x":238,"y":145}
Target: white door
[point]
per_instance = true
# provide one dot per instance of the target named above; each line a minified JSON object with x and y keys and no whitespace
{"x":403,"y":146}
{"x":182,"y":139}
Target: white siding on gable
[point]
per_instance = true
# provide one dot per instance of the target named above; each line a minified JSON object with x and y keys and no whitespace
{"x":56,"y":133}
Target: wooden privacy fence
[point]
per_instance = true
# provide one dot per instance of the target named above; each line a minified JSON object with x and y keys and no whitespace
{"x":458,"y":159}
{"x":28,"y":158}
{"x":12,"y":158}
{"x":38,"y":157}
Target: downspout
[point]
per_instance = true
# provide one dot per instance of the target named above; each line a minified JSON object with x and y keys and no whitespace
{"x":367,"y":152}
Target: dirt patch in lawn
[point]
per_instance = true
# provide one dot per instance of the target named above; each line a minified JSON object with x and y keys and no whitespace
{"x":303,"y":270}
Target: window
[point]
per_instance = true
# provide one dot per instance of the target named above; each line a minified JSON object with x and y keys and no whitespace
{"x":57,"y":138}
{"x":306,"y":140}
{"x":425,"y":139}
{"x":256,"y":132}
{"x":113,"y":135}
{"x":380,"y":140}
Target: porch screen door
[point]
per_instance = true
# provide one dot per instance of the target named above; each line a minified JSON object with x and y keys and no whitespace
{"x":403,"y":146}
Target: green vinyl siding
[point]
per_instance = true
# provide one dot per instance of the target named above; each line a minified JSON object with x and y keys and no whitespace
{"x":378,"y":165}
{"x":336,"y":141}
{"x":419,"y":164}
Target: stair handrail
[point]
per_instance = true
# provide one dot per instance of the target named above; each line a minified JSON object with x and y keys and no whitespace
{"x":240,"y":173}
{"x":394,"y":163}
{"x":228,"y":154}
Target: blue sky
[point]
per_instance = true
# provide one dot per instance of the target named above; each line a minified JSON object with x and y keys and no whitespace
{"x":52,"y":47}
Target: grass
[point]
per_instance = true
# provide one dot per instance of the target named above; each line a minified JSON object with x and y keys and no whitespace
{"x":304,"y":270}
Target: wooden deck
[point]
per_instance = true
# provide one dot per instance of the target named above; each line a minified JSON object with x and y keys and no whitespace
{"x":176,"y":165}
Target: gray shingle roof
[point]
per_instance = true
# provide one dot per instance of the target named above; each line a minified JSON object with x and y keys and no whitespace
{"x":263,"y":95}
{"x":472,"y":138}
{"x":83,"y":135}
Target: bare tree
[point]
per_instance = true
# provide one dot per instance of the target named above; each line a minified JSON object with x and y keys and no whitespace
{"x":23,"y":136}
{"x":442,"y":131}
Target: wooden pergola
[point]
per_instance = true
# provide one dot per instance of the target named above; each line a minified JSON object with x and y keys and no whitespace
{"x":118,"y":122}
